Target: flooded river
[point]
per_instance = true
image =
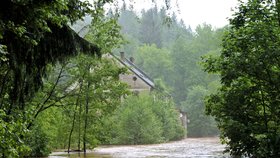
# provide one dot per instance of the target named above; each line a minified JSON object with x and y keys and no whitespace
{"x":187,"y":148}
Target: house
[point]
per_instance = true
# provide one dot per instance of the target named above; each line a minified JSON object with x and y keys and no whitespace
{"x":137,"y":79}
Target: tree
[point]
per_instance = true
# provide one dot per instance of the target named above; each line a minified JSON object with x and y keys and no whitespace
{"x":155,"y":61}
{"x":33,"y":35}
{"x":93,"y":91}
{"x":186,"y":56}
{"x":101,"y":91}
{"x":200,"y":125}
{"x":129,"y":22}
{"x":138,"y":124}
{"x":150,"y":28}
{"x":173,"y":30}
{"x":78,"y":90}
{"x":247,"y":105}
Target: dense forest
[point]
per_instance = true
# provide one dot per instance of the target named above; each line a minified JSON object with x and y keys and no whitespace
{"x":58,"y":91}
{"x":170,"y":52}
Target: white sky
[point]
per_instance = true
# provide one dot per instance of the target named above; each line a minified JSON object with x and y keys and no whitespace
{"x":214,"y":12}
{"x":195,"y":12}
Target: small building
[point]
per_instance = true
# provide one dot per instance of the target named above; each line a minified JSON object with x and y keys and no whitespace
{"x":137,"y":79}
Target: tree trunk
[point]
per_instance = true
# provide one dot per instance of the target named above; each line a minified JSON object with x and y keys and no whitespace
{"x":86,"y":117}
{"x":79,"y":134}
{"x":72,"y":129}
{"x":74,"y":118}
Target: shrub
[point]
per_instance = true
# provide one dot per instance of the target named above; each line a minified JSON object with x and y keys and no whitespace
{"x":38,"y":142}
{"x":138,"y":123}
{"x":143,"y":120}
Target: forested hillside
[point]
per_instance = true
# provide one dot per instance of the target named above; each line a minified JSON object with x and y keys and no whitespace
{"x":170,"y":52}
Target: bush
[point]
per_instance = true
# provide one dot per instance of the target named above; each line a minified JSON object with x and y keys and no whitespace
{"x":143,"y":120}
{"x":38,"y":142}
{"x":169,"y":117}
{"x":138,"y":123}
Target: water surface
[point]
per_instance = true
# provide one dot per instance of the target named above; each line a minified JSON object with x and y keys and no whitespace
{"x":187,"y":148}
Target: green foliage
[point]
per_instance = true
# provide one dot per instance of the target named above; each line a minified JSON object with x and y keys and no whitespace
{"x":164,"y":108}
{"x":129,"y":22}
{"x":186,"y":70}
{"x":130,"y":48}
{"x":138,"y":124}
{"x":11,"y":134}
{"x":186,"y":56}
{"x":55,"y":124}
{"x":143,"y":120}
{"x":171,"y":55}
{"x":88,"y":90}
{"x":247,"y":105}
{"x":150,"y":27}
{"x":33,"y":34}
{"x":154,"y":61}
{"x":38,"y":142}
{"x":200,"y":125}
{"x":105,"y":33}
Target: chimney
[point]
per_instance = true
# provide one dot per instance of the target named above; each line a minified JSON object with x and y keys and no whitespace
{"x":131,"y":59}
{"x":122,"y":56}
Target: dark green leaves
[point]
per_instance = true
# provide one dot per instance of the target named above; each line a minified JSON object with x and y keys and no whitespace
{"x":246,"y":105}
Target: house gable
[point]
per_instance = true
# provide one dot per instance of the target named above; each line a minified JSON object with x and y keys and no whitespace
{"x":137,"y":79}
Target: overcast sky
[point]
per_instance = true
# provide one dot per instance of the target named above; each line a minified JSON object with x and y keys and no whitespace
{"x":214,"y":12}
{"x":195,"y":12}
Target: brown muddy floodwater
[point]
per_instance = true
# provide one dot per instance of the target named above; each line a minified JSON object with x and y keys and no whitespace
{"x":187,"y":148}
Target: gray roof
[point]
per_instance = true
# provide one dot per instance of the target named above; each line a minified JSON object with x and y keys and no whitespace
{"x":136,"y":70}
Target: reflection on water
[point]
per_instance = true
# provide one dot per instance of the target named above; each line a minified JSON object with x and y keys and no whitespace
{"x":187,"y":148}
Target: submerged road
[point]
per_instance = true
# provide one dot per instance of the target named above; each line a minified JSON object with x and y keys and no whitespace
{"x":187,"y":148}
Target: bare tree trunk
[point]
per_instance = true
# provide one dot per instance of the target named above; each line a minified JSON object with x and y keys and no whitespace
{"x":74,"y":118}
{"x":79,"y":139}
{"x":86,"y":117}
{"x":72,"y":129}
